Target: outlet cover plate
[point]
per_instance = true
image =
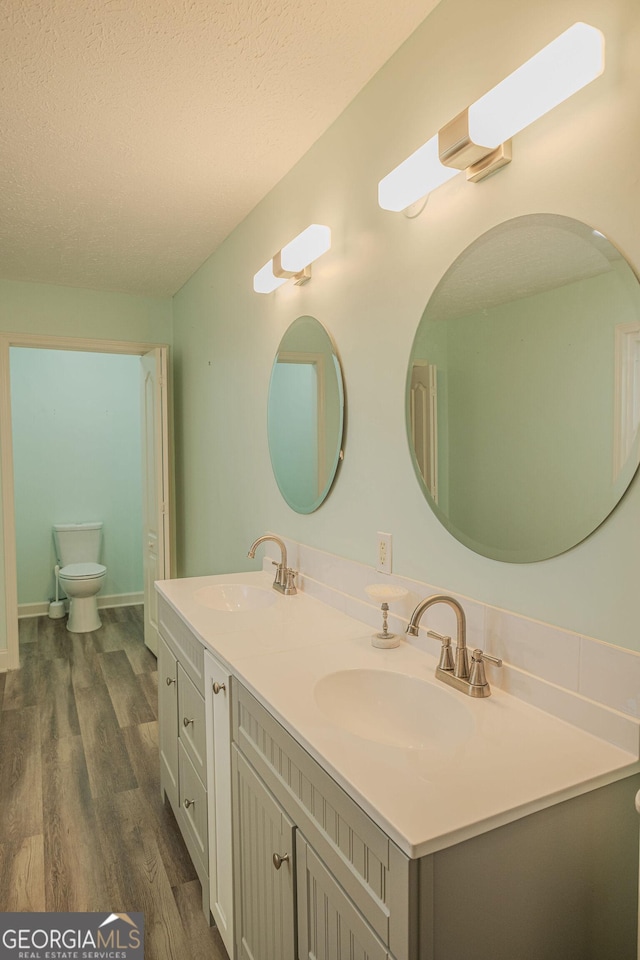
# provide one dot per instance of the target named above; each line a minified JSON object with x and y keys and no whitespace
{"x":383,"y":553}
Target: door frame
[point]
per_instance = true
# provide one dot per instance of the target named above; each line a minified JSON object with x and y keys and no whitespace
{"x":42,"y":342}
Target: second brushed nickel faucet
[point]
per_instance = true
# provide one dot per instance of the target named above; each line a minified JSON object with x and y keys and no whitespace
{"x":284,"y":581}
{"x":456,"y":671}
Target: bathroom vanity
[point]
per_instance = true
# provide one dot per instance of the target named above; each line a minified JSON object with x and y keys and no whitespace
{"x":374,"y":812}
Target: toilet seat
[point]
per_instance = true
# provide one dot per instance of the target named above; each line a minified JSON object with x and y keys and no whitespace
{"x":82,"y":571}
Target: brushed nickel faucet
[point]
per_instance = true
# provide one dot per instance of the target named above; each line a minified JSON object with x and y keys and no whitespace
{"x":456,"y":672}
{"x":284,"y":581}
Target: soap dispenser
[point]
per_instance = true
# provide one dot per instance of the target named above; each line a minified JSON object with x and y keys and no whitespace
{"x":385,"y":593}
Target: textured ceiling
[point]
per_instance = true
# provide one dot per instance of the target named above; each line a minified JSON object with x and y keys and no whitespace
{"x":520,"y":258}
{"x":136,"y":134}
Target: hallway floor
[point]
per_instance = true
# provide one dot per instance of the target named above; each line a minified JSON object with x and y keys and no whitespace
{"x":82,"y":824}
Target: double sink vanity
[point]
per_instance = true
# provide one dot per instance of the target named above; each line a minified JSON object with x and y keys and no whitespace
{"x":339,"y":801}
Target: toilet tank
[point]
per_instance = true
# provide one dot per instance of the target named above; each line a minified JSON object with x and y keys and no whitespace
{"x":77,"y":542}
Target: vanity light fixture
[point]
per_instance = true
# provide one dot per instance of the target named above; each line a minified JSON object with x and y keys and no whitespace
{"x":294,"y":260}
{"x":478,"y":139}
{"x":416,"y":176}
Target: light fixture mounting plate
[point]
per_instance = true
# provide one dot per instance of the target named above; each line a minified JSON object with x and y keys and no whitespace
{"x":456,"y":149}
{"x":299,"y":277}
{"x":490,"y":164}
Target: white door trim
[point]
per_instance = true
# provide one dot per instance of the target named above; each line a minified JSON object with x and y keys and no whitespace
{"x":156,"y":557}
{"x":37,"y":341}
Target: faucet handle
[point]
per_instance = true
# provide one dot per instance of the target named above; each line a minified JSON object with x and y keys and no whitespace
{"x":478,"y":655}
{"x":446,"y":657}
{"x":290,"y":580}
{"x":477,"y":676}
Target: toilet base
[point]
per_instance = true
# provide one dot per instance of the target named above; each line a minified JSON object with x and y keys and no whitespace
{"x":83,"y":615}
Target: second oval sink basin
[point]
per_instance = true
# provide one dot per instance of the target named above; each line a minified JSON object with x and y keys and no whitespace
{"x":395,"y":709}
{"x":235,"y":597}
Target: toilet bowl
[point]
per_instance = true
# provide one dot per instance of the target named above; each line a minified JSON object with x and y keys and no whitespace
{"x":82,"y":583}
{"x":80,"y":575}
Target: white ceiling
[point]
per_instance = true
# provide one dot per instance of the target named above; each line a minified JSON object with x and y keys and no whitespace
{"x":136,"y":134}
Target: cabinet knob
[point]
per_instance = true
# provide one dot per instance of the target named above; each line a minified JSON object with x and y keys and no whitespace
{"x":170,"y":680}
{"x":187,"y":721}
{"x":188,"y":803}
{"x":279,"y":860}
{"x":217,"y":687}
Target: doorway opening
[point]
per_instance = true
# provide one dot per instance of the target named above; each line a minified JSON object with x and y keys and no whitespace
{"x":132,"y":496}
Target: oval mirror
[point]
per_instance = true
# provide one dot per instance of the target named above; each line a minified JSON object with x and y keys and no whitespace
{"x":305,"y":414}
{"x":523,"y":388}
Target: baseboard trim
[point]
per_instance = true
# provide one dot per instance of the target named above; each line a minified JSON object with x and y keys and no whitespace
{"x":121,"y":600}
{"x":114,"y":600}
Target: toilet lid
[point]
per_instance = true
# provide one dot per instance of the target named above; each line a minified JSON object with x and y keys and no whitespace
{"x":83,"y":571}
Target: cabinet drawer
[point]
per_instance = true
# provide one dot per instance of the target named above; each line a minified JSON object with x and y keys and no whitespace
{"x":181,"y":641}
{"x":192,"y":814}
{"x":191,"y":723}
{"x":329,"y":925}
{"x":370,"y":868}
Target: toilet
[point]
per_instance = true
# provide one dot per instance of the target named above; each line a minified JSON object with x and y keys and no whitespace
{"x":80,"y":575}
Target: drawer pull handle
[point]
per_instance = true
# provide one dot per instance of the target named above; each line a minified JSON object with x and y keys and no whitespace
{"x":186,"y":721}
{"x":279,"y":860}
{"x":170,"y":680}
{"x":188,"y":803}
{"x":217,"y":687}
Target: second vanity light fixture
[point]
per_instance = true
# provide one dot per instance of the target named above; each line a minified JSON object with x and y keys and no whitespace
{"x":478,"y":139}
{"x":294,"y":260}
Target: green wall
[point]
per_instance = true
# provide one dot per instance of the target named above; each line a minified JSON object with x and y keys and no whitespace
{"x":76,"y":456}
{"x":49,"y":310}
{"x":531,"y":415}
{"x":370,"y":291}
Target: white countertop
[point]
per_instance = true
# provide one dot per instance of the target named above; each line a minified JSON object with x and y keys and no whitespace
{"x":514,"y":759}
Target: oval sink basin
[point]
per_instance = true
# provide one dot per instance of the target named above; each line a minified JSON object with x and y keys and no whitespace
{"x":235,"y":597}
{"x":395,"y":709}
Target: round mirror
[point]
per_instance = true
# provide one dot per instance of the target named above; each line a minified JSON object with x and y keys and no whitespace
{"x":523,"y":388}
{"x":305,"y":414}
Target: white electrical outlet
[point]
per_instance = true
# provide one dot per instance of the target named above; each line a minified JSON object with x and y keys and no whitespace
{"x":383,"y":556}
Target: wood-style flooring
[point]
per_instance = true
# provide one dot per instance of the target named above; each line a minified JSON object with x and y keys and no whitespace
{"x":82,"y":824}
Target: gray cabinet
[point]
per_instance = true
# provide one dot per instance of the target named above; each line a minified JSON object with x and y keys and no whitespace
{"x":539,"y":886}
{"x":182,"y":735}
{"x":264,"y":887}
{"x":329,"y":925}
{"x":352,"y":882}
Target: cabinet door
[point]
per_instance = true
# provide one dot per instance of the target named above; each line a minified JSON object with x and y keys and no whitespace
{"x":329,"y":925}
{"x":217,"y":684}
{"x":265,"y":919}
{"x":168,"y":721}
